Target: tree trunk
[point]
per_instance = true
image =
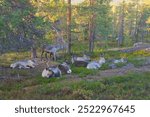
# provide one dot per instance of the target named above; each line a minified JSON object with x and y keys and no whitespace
{"x":91,"y":29}
{"x":33,"y":50}
{"x":33,"y":53}
{"x":69,"y":25}
{"x":135,"y":35}
{"x":121,"y":26}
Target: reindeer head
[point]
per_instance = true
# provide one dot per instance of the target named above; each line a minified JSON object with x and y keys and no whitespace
{"x":65,"y":68}
{"x":47,"y":73}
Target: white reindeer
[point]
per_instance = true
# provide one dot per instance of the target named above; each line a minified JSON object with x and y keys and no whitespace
{"x":23,"y":64}
{"x":96,"y":64}
{"x":122,"y":60}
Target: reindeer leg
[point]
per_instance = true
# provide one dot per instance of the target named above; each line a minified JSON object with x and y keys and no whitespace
{"x":46,"y":55}
{"x":54,"y":56}
{"x":50,"y":56}
{"x":42,"y":55}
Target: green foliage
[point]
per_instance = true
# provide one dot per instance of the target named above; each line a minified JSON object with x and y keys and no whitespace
{"x":82,"y":72}
{"x":8,"y":58}
{"x":27,"y":20}
{"x":131,"y":86}
{"x":137,"y":62}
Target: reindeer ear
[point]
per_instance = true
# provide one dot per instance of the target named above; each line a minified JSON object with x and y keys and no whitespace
{"x":101,"y":54}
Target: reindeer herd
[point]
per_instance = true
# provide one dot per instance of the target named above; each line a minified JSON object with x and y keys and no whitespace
{"x":63,"y":68}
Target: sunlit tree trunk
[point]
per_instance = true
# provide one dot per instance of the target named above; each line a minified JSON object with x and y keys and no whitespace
{"x":69,"y":25}
{"x":33,"y":49}
{"x":91,"y":28}
{"x":33,"y":53}
{"x":121,"y":25}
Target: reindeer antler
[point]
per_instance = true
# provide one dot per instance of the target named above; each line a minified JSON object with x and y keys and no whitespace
{"x":60,"y":40}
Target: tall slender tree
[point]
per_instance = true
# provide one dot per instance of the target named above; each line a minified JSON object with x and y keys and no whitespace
{"x":91,"y":26}
{"x":121,"y":24}
{"x":69,"y":25}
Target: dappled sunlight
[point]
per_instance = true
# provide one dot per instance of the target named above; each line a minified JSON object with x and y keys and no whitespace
{"x":111,"y":36}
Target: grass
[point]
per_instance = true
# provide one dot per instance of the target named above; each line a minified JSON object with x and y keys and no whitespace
{"x":7,"y":58}
{"x":131,"y":86}
{"x":33,"y":86}
{"x":83,"y":72}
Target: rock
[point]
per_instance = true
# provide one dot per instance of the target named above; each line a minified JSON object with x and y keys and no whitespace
{"x":128,"y":66}
{"x":137,"y":44}
{"x":112,"y":66}
{"x":147,"y":49}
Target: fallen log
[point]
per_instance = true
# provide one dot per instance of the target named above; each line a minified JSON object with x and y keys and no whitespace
{"x":133,"y":49}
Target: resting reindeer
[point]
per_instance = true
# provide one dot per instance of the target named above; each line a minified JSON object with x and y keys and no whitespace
{"x":51,"y":72}
{"x":122,"y":60}
{"x":65,"y":68}
{"x":80,"y":61}
{"x":24,"y":64}
{"x":56,"y":71}
{"x":96,"y":64}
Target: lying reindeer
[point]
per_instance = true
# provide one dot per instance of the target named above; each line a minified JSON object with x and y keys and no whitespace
{"x":24,"y":64}
{"x":80,"y":61}
{"x":96,"y":64}
{"x":56,"y":71}
{"x":51,"y":72}
{"x":122,"y":60}
{"x":65,"y":68}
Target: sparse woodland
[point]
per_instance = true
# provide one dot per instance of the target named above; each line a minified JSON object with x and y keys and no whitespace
{"x":118,"y":31}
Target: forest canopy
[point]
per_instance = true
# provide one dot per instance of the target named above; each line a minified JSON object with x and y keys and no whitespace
{"x":27,"y":23}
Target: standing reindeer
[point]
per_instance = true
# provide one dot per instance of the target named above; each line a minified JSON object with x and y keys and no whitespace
{"x":53,"y":49}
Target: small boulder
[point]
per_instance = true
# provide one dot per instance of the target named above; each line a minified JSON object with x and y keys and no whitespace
{"x":112,"y":66}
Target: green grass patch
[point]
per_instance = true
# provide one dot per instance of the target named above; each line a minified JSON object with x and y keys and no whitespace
{"x":137,"y":62}
{"x":131,"y":86}
{"x":21,"y":72}
{"x":83,"y":71}
{"x":33,"y":86}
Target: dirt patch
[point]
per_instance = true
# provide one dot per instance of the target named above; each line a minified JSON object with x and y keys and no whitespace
{"x":8,"y":73}
{"x":119,"y":72}
{"x":141,"y":47}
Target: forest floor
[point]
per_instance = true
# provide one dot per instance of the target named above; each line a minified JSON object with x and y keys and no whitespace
{"x":127,"y":81}
{"x":119,"y":72}
{"x":8,"y":73}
